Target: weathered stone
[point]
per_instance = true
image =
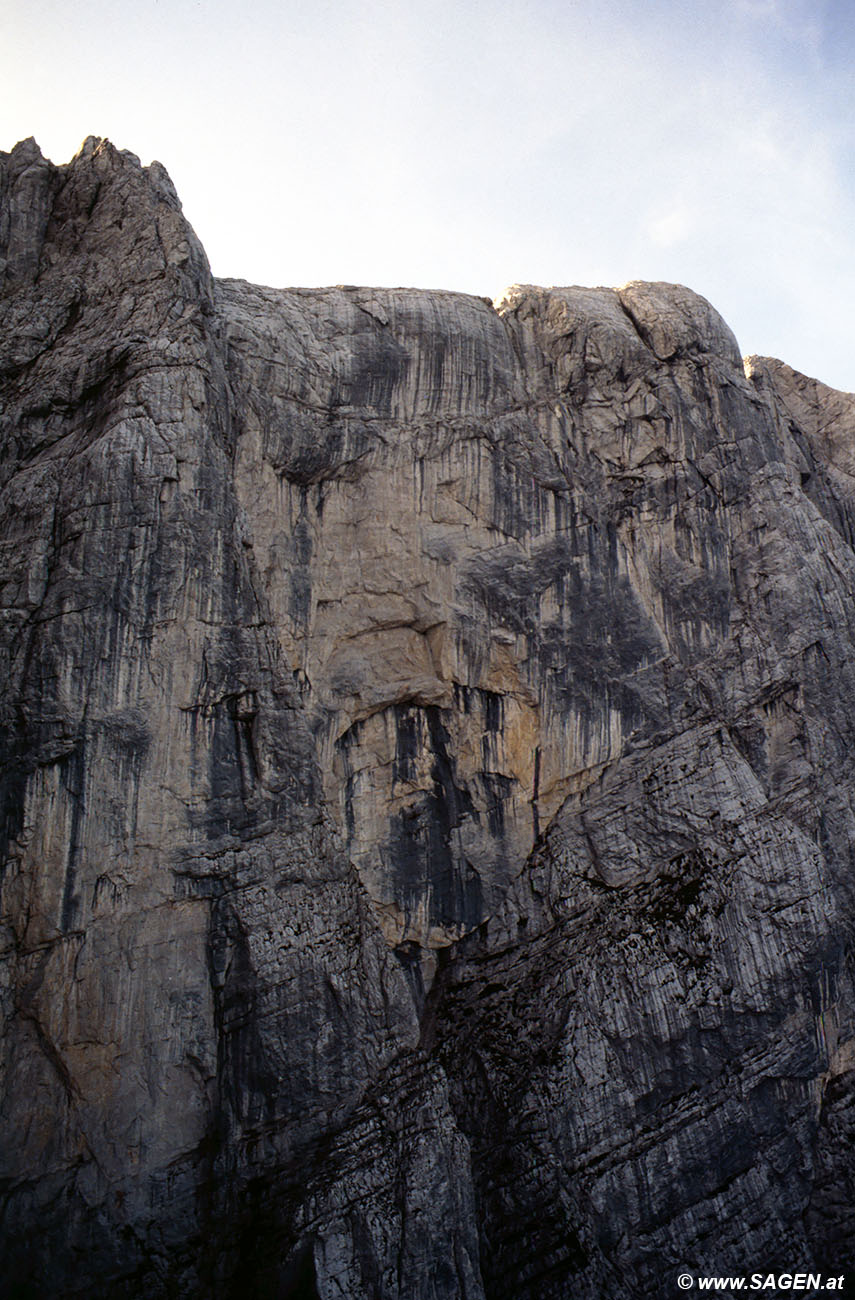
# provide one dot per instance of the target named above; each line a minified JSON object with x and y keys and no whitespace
{"x":426,"y":791}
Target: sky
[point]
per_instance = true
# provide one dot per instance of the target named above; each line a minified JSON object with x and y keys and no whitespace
{"x":476,"y":144}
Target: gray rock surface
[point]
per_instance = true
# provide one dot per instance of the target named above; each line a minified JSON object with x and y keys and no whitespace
{"x":427,"y":779}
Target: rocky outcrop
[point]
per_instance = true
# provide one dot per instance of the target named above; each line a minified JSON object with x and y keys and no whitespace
{"x":426,"y":779}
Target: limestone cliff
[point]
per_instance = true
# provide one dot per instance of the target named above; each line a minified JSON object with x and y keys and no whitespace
{"x":427,"y":779}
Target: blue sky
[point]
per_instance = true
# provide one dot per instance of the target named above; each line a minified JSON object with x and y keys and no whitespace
{"x":471,"y":145}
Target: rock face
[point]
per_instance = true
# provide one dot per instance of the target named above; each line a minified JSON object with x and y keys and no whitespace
{"x":427,"y":780}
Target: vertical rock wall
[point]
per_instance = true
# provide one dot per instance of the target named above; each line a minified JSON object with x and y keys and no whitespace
{"x":426,"y":794}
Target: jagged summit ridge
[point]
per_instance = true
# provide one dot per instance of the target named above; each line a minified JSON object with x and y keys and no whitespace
{"x":425,"y":779}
